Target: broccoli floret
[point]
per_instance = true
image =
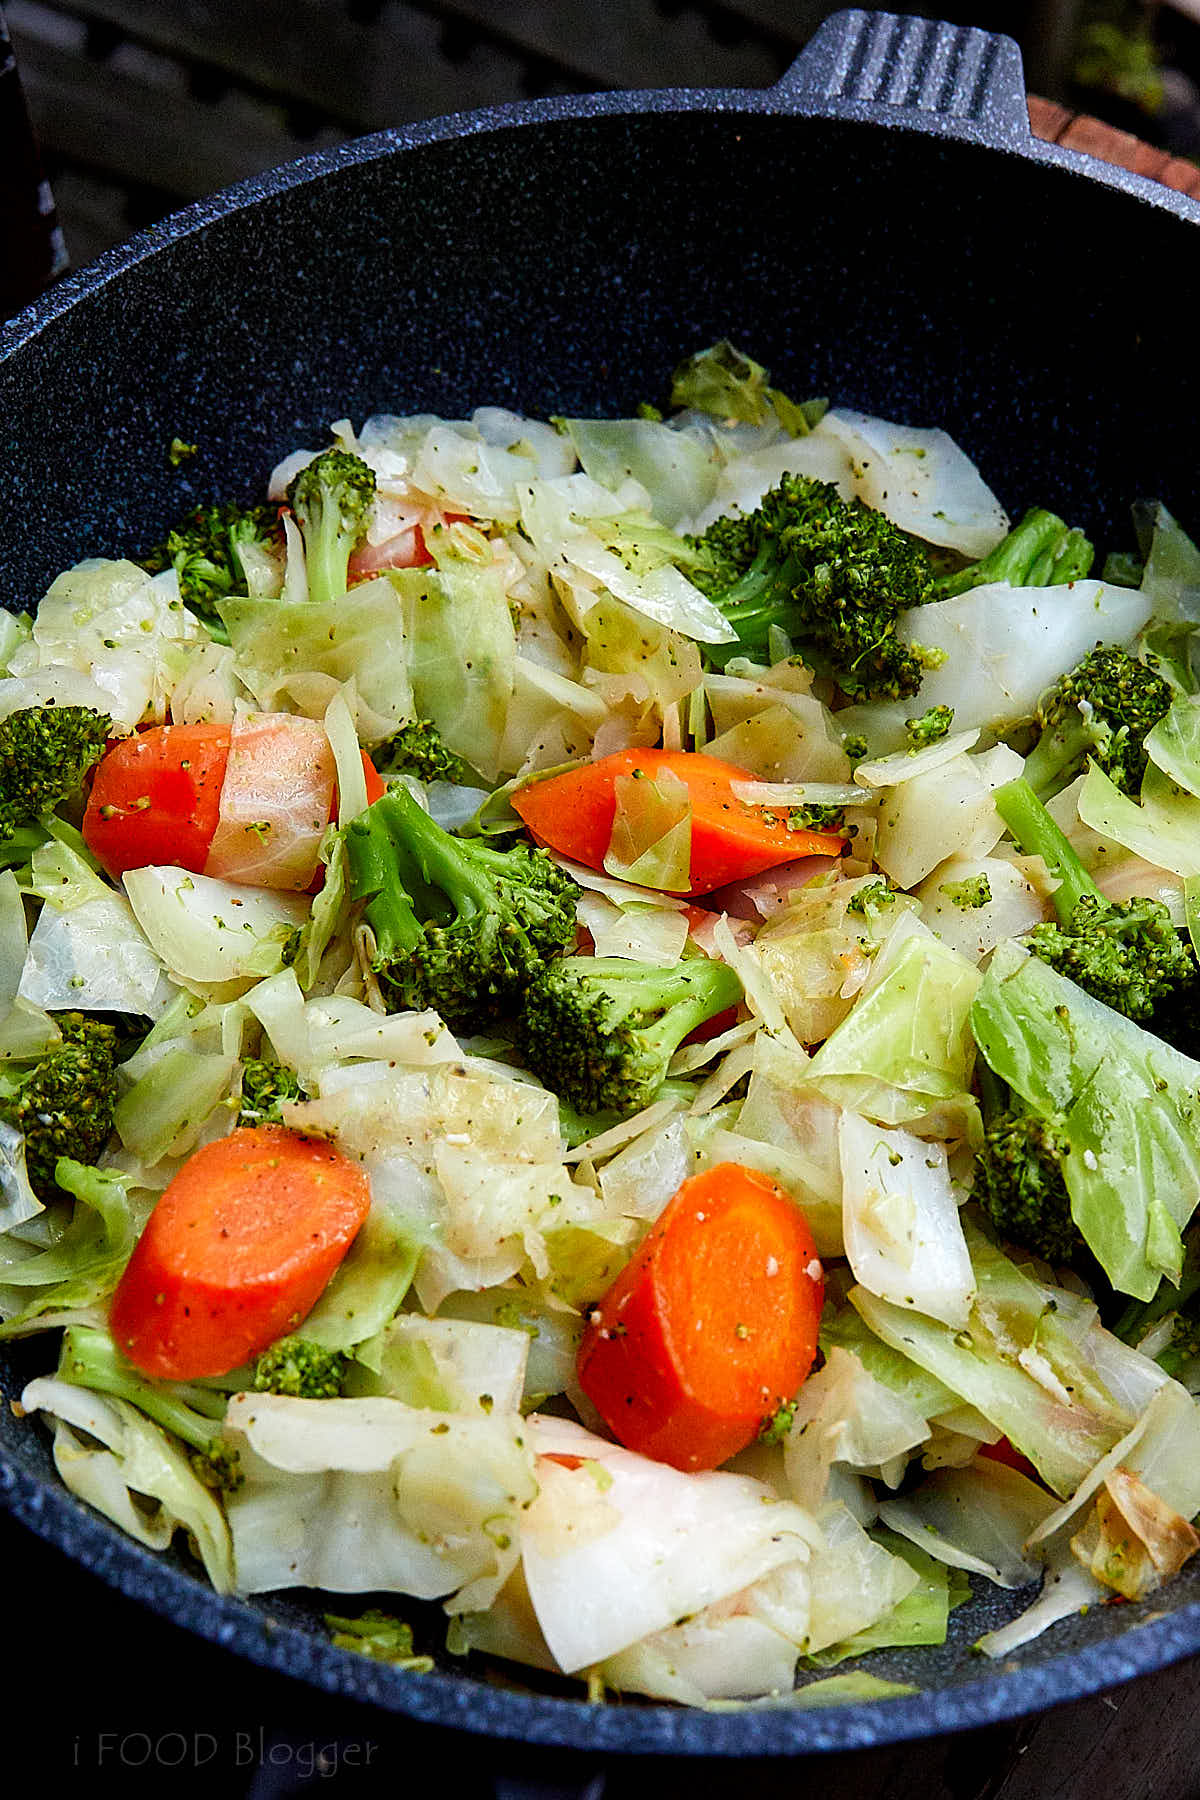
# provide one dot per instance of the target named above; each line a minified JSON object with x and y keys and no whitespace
{"x":45,"y":752}
{"x":1018,"y":1176}
{"x":1102,"y":709}
{"x":929,"y":728}
{"x":417,"y":749}
{"x":1127,"y":954}
{"x":295,"y":1365}
{"x":1040,"y":551}
{"x":203,"y":549}
{"x":835,"y":576}
{"x":776,"y":1425}
{"x":266,"y":1085}
{"x":458,"y":925}
{"x":577,"y":1127}
{"x":600,"y":1031}
{"x":90,"y":1359}
{"x":871,"y":898}
{"x":816,"y":816}
{"x":975,"y":890}
{"x":332,"y":499}
{"x":64,"y":1105}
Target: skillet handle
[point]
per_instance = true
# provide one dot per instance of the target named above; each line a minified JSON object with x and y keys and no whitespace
{"x":888,"y":67}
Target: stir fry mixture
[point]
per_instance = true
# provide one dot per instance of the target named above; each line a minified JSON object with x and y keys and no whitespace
{"x":598,"y":1025}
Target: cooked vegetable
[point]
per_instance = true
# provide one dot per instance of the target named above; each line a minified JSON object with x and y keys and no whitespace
{"x":732,"y":386}
{"x":433,"y":1184}
{"x":45,"y":752}
{"x":457,"y":924}
{"x":833,"y":575}
{"x":266,"y":1087}
{"x":237,"y":1251}
{"x":332,"y":498}
{"x":296,"y":1365}
{"x":712,"y":1324}
{"x":205,"y":550}
{"x":1127,"y":953}
{"x":417,"y":749}
{"x":601,"y":1031}
{"x":90,"y":1359}
{"x":573,"y":813}
{"x":1100,"y":712}
{"x":156,"y":798}
{"x":64,"y":1105}
{"x":1040,"y":551}
{"x":1018,"y":1176}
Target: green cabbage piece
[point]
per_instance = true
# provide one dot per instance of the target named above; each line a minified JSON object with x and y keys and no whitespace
{"x":1127,"y":1104}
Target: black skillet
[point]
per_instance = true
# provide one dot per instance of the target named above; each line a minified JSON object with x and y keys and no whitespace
{"x":880,"y":227}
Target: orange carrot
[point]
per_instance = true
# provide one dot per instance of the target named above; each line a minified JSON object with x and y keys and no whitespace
{"x":711,"y":1326}
{"x":237,"y":1251}
{"x":156,"y":798}
{"x":573,"y":813}
{"x":376,"y":785}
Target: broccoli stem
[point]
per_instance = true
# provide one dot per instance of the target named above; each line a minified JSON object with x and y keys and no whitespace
{"x":1034,"y":831}
{"x":1040,"y":551}
{"x":1059,"y":749}
{"x":90,"y":1359}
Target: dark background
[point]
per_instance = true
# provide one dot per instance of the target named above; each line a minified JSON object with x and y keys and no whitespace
{"x":139,"y":106}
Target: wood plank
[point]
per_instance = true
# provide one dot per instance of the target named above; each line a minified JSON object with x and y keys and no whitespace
{"x":138,"y":130}
{"x":629,"y":44}
{"x":358,"y":76}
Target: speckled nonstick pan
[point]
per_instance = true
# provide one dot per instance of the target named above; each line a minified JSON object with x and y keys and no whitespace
{"x":880,"y":227}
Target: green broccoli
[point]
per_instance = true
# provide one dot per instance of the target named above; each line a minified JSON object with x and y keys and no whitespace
{"x":204,"y":550}
{"x":1103,"y":709}
{"x":297,"y":1366}
{"x":929,"y":728}
{"x":835,"y":576}
{"x":577,"y":1127}
{"x":1040,"y":551}
{"x":64,"y":1104}
{"x":205,"y":553}
{"x":871,"y":897}
{"x":90,"y":1359}
{"x":816,"y":816}
{"x":1018,"y":1175}
{"x":266,"y":1085}
{"x":600,"y":1031}
{"x":776,"y":1425}
{"x":1127,"y":954}
{"x":972,"y":891}
{"x":417,"y":749}
{"x":45,"y":752}
{"x":458,"y":925}
{"x":332,"y":499}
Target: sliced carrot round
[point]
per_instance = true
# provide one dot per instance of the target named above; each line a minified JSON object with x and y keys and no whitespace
{"x":712,"y":1324}
{"x":237,"y":1251}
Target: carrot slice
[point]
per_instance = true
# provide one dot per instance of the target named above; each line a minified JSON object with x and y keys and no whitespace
{"x":237,"y":1251}
{"x":710,"y":1326}
{"x":573,"y":813}
{"x":156,"y":798}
